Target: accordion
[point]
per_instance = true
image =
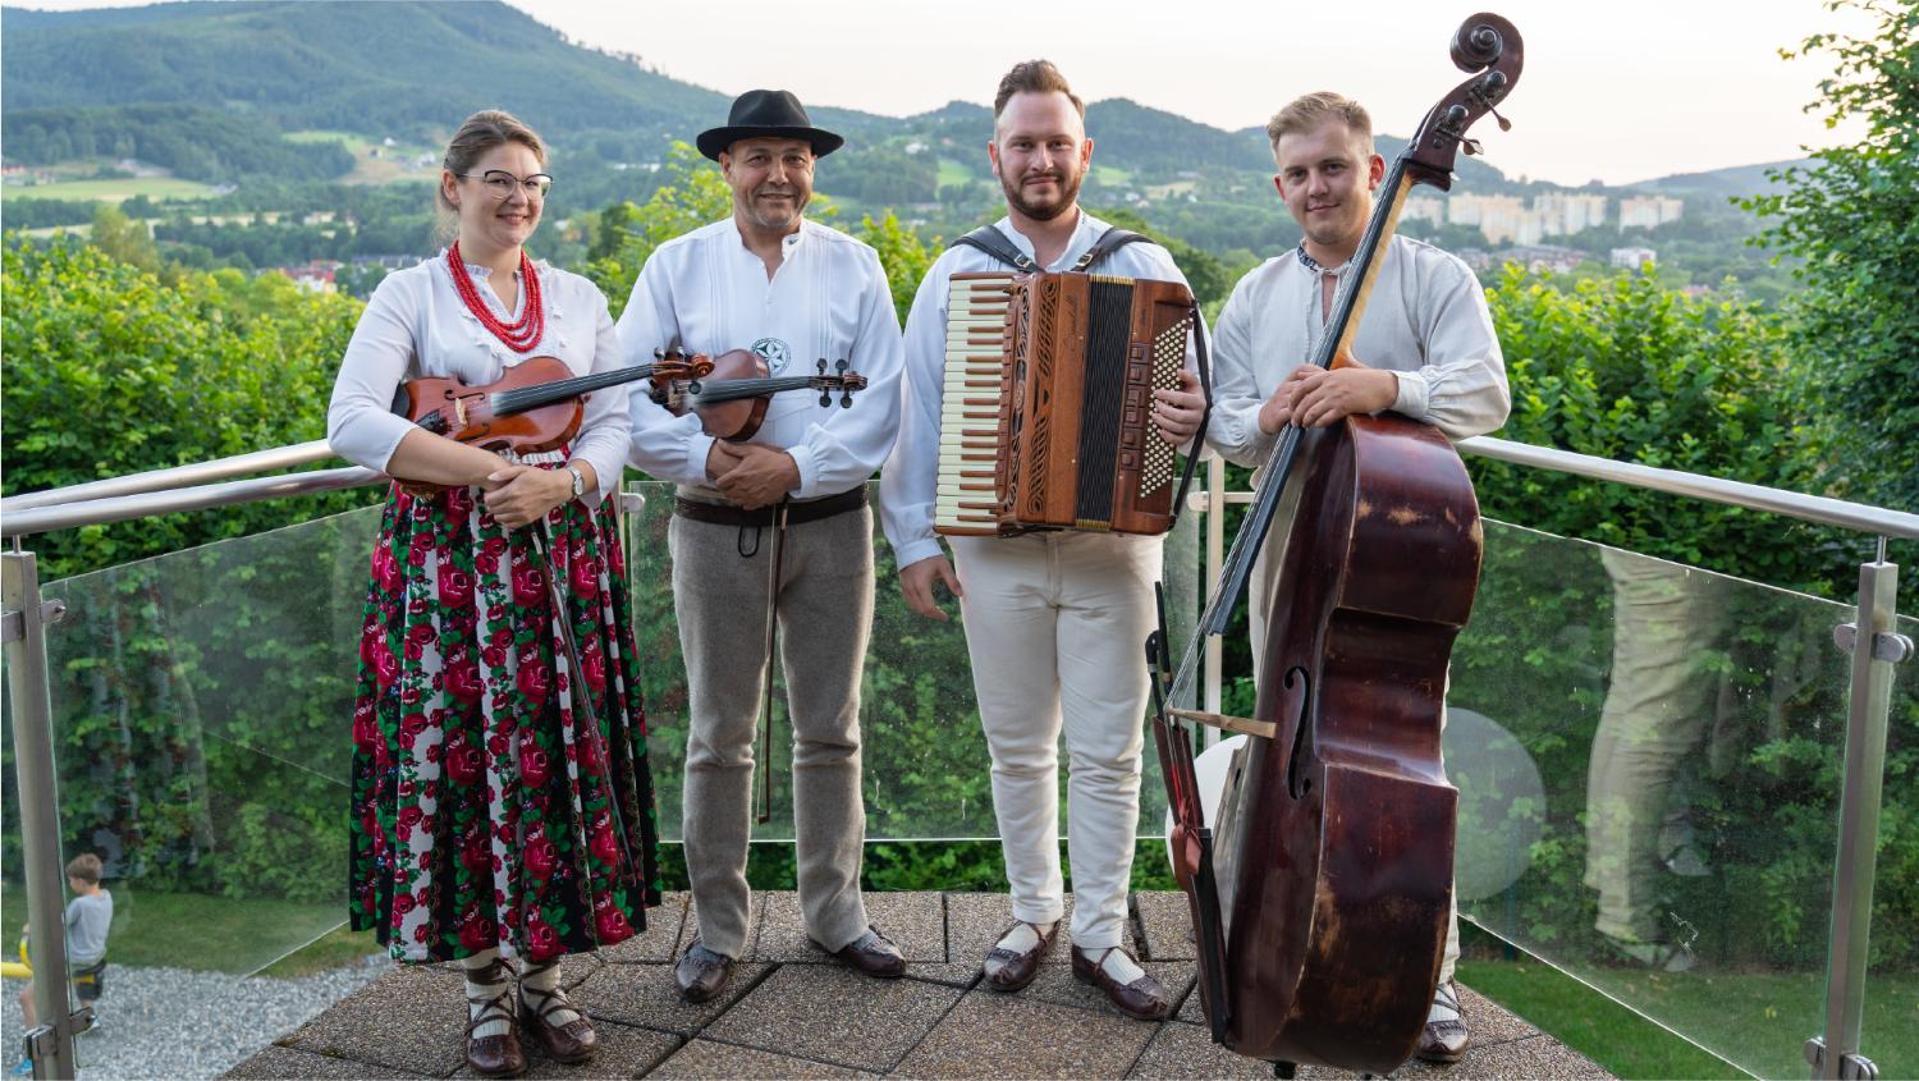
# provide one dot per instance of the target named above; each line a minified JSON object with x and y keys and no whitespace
{"x":1045,"y":420}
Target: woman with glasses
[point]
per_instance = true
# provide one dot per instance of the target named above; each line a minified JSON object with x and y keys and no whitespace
{"x":501,"y":803}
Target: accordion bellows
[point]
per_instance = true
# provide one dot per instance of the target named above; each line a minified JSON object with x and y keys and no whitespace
{"x":1045,"y":420}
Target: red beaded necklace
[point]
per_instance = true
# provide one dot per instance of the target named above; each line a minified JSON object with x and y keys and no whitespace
{"x":519,"y":337}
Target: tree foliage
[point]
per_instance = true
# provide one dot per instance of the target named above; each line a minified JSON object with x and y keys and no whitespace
{"x":1853,"y":217}
{"x":110,"y":370}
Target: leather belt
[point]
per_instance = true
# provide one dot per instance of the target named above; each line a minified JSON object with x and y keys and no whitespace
{"x":810,"y":511}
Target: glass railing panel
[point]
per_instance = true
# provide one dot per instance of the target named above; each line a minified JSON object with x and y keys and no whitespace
{"x":201,"y":704}
{"x":924,"y":757}
{"x":1648,"y":758}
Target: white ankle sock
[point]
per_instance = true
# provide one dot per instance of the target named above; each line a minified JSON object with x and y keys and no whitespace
{"x":1120,"y":967}
{"x":1445,"y":1005}
{"x":537,"y":983}
{"x":489,"y":991}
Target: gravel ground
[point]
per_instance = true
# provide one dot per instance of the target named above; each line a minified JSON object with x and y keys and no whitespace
{"x":169,"y":1022}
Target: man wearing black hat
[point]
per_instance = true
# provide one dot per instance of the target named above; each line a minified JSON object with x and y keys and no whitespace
{"x":790,"y":502}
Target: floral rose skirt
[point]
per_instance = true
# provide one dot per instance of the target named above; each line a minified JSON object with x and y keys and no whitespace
{"x":500,"y":798}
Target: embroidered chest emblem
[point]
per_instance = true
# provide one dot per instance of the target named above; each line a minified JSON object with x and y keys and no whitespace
{"x":775,"y":352}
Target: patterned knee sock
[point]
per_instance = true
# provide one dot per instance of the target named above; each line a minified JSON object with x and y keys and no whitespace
{"x":489,"y":994}
{"x":540,"y":990}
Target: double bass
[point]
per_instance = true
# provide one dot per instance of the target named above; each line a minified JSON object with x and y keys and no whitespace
{"x":1321,"y":907}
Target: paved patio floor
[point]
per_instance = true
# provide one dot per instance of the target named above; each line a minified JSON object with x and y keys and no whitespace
{"x":790,"y":1011}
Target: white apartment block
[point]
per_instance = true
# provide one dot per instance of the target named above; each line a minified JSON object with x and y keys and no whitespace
{"x":1649,"y":211}
{"x":1633,"y":258}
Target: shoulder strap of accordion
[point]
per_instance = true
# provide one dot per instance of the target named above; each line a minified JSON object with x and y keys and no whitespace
{"x":1109,"y":242}
{"x":990,"y":240}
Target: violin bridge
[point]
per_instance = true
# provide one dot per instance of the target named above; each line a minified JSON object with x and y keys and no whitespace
{"x":1242,"y":725}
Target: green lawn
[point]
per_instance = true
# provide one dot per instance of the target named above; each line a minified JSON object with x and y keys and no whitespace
{"x":195,"y":931}
{"x":1761,"y":1020}
{"x":114,"y":191}
{"x":1110,"y":176}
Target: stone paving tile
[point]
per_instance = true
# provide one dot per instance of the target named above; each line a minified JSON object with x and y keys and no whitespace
{"x":708,"y":1059}
{"x":1057,"y":984}
{"x":646,"y":995}
{"x":832,"y":1014}
{"x":1168,"y":923}
{"x":660,"y":941}
{"x":624,"y":1051}
{"x":974,"y":921}
{"x":1540,"y":1057}
{"x":1489,"y":1022}
{"x":407,"y":1019}
{"x":1187,"y":1051}
{"x":286,"y":1062}
{"x":994,"y":1035}
{"x":916,"y":922}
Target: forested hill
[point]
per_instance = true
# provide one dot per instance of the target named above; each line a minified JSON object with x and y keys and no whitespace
{"x":386,"y":68}
{"x":409,"y":70}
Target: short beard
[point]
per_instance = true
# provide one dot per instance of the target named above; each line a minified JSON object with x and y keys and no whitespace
{"x":1069,"y":195}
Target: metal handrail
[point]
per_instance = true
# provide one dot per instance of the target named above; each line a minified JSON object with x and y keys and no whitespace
{"x":153,"y":480}
{"x":54,"y":515}
{"x":1862,"y":517}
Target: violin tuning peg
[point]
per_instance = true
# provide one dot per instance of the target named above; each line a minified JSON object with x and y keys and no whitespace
{"x":826,"y":398}
{"x":840,"y":367}
{"x":1504,"y":124}
{"x":1470,"y":146}
{"x":659,"y":354}
{"x":846,"y":399}
{"x":822,"y":365}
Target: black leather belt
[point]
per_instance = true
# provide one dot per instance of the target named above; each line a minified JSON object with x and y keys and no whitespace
{"x":810,"y":511}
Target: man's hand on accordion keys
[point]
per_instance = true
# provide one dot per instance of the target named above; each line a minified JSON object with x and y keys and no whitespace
{"x":917,"y":581}
{"x":1177,"y":413}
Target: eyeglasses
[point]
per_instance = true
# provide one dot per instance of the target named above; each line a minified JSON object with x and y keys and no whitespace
{"x":500,"y":183}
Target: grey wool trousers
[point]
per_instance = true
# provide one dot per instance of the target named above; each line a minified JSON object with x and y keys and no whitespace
{"x":826,"y":614}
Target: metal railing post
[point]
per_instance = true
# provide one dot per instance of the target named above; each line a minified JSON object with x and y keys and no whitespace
{"x":1875,"y":647}
{"x":1215,"y":558}
{"x":50,"y":1045}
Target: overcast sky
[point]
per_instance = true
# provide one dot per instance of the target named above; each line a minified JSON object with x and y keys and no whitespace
{"x":1619,"y":91}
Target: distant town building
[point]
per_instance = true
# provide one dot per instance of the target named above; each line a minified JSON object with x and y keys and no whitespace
{"x":315,"y":277}
{"x":1563,"y":213}
{"x":1424,"y":208}
{"x":1545,"y":258}
{"x":1633,"y":258}
{"x":1649,"y":211}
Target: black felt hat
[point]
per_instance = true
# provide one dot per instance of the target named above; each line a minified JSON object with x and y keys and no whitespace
{"x":767,"y":113}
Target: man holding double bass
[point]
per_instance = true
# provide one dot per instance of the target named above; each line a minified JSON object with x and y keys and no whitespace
{"x":1424,"y":349}
{"x":787,"y":501}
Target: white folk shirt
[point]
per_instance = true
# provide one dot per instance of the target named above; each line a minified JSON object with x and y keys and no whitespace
{"x":417,"y":326}
{"x":911,"y":480}
{"x":708,"y":293}
{"x":1426,"y":320}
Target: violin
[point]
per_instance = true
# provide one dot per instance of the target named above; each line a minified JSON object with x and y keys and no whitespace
{"x":1322,"y":923}
{"x":732,"y":405}
{"x":536,"y":405}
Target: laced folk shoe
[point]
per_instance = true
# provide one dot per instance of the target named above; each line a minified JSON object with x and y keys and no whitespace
{"x":1445,"y":1039}
{"x":1014,"y":960}
{"x":701,"y":973}
{"x":871,"y":954}
{"x":570,"y":1043}
{"x":1128,"y":987}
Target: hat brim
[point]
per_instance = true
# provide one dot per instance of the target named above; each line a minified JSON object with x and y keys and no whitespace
{"x":714,"y":140}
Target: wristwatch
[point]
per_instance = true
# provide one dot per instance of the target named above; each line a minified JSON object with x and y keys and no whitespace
{"x":579,"y":480}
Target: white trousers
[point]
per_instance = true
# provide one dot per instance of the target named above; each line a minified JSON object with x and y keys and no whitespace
{"x":1056,"y":625}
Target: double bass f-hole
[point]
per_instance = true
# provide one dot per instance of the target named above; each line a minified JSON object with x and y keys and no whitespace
{"x":1299,"y":688}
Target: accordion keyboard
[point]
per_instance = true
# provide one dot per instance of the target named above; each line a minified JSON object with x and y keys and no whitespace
{"x":972,"y":405}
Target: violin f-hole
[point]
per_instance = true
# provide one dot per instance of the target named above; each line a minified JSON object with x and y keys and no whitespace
{"x":1297,"y":783}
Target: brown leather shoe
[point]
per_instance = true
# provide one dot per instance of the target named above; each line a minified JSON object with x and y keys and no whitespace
{"x":494,"y":1056}
{"x":701,"y":973}
{"x":872,"y":954}
{"x":1144,"y":998}
{"x":1444,"y":1041}
{"x":571,"y":1043}
{"x":1016,"y":969}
